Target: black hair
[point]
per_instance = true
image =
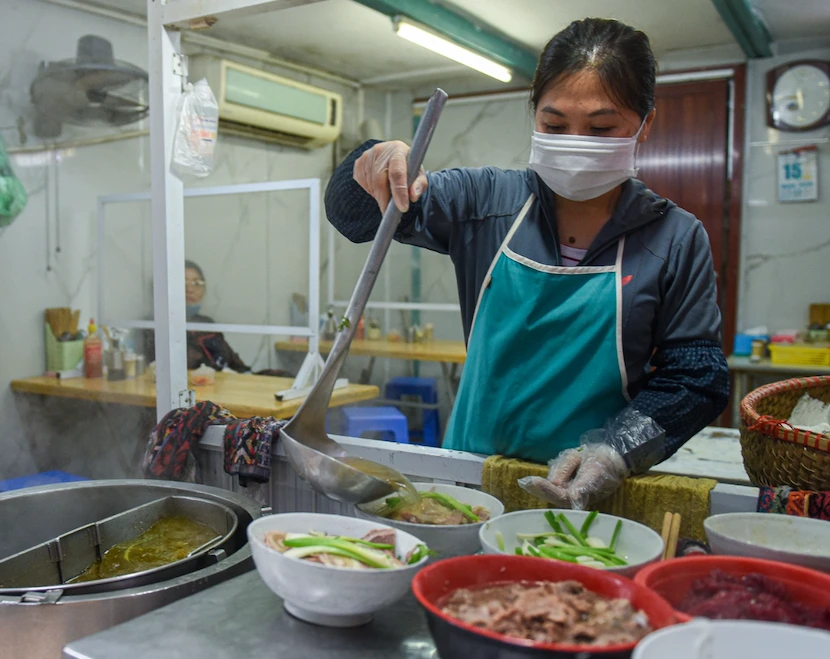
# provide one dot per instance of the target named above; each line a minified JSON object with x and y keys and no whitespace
{"x":620,"y":55}
{"x":194,"y":266}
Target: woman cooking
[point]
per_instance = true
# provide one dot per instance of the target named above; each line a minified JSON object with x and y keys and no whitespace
{"x":588,"y":301}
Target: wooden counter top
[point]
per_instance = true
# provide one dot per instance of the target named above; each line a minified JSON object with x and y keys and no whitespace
{"x":450,"y":352}
{"x":243,"y":395}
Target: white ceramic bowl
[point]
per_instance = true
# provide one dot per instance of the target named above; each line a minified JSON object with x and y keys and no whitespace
{"x":733,"y":639}
{"x":796,"y":540}
{"x":445,"y":541}
{"x":325,"y":595}
{"x":637,"y":544}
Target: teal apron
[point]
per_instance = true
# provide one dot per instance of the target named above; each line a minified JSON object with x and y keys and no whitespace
{"x":544,"y":360}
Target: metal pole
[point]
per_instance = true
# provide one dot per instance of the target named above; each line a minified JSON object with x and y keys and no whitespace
{"x":99,"y":314}
{"x":167,"y":205}
{"x":314,"y":268}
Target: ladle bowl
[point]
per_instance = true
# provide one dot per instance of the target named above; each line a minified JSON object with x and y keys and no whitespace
{"x":316,"y":457}
{"x":330,"y":476}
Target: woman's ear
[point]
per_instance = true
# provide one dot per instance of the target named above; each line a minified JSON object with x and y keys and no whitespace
{"x":647,"y":125}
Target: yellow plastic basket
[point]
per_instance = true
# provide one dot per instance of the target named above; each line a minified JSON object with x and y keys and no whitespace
{"x":800,"y":355}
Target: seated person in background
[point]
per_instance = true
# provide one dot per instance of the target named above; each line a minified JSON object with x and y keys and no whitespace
{"x":208,"y":348}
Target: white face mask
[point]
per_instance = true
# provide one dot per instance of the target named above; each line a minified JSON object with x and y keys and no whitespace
{"x":580,"y":167}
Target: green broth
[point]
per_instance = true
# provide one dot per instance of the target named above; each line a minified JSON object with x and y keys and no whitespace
{"x":170,"y":539}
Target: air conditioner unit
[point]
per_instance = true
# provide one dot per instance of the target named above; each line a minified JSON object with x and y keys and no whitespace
{"x":254,"y":103}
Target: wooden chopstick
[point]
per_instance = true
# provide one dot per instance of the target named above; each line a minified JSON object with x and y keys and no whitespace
{"x":666,"y":533}
{"x":670,"y":534}
{"x":671,"y":552}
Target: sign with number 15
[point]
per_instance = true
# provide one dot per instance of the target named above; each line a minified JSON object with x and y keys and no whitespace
{"x":798,"y":175}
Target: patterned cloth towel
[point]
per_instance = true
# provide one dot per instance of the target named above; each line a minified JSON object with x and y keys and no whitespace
{"x":169,"y":454}
{"x":798,"y":503}
{"x":248,"y":445}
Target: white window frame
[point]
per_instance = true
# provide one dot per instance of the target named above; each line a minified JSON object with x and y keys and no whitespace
{"x":312,"y":363}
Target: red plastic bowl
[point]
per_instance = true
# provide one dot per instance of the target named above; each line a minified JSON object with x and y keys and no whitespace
{"x":457,"y":640}
{"x":673,"y":579}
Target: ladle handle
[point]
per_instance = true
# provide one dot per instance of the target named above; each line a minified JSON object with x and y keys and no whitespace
{"x":380,"y":245}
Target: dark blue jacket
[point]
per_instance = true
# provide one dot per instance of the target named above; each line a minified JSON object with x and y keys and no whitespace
{"x":677,"y":372}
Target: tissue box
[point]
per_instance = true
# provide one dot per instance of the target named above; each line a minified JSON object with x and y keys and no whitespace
{"x":62,"y":355}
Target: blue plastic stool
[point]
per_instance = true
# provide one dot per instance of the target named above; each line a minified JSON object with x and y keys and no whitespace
{"x":44,"y":478}
{"x":427,"y":390}
{"x":389,"y":421}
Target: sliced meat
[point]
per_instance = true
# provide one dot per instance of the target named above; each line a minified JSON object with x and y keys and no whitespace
{"x":548,"y":612}
{"x":274,"y":540}
{"x":430,"y":511}
{"x":381,"y":536}
{"x":481,"y":512}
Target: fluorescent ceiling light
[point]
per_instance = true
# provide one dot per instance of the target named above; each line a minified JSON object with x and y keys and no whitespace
{"x":442,"y":46}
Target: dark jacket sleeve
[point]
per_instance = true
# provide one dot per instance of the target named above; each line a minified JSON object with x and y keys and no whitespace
{"x":455,"y":201}
{"x":688,"y":387}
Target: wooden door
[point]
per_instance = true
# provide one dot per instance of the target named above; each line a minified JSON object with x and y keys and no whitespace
{"x":686,"y":160}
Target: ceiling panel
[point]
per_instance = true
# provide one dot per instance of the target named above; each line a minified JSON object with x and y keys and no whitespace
{"x":670,"y":24}
{"x":346,"y":38}
{"x":795,"y":19}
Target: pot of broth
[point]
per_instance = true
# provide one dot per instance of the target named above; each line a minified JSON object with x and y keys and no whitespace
{"x":116,"y":516}
{"x":154,"y":541}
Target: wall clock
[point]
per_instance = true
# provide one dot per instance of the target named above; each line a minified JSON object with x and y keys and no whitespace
{"x":798,"y":96}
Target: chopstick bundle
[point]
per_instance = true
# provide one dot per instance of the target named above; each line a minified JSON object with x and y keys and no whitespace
{"x":63,"y":320}
{"x":670,"y":534}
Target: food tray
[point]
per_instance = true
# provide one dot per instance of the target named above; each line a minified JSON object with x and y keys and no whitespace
{"x":51,"y":564}
{"x":799,"y":355}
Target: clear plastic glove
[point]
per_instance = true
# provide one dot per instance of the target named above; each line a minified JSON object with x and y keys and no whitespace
{"x":601,"y":472}
{"x":382,"y":172}
{"x":629,"y":443}
{"x":579,"y":477}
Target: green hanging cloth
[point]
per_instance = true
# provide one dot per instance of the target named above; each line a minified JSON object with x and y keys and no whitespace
{"x":12,"y":194}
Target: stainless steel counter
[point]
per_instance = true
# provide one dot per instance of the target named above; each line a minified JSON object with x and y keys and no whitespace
{"x":242,"y":618}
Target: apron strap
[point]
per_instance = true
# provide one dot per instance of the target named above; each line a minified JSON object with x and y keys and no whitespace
{"x":484,"y":284}
{"x":619,"y":329}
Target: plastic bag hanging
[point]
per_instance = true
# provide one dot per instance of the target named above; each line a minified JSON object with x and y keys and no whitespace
{"x":13,"y":196}
{"x":195,"y":138}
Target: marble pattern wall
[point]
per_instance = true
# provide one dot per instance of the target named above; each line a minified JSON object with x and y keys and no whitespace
{"x":495,"y":133}
{"x":785,"y":247}
{"x":241,"y":242}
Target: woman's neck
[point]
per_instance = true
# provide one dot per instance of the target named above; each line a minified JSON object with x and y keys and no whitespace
{"x":579,"y":222}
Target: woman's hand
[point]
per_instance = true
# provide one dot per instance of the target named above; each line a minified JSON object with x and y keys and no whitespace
{"x":579,"y":477}
{"x":383,"y":169}
{"x":600,"y":473}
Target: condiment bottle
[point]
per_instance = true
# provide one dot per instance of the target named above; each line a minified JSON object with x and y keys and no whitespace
{"x":93,"y":361}
{"x":129,"y":364}
{"x":115,"y":361}
{"x":330,"y":330}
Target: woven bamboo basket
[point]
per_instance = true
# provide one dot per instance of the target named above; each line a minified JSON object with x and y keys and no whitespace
{"x":774,"y":452}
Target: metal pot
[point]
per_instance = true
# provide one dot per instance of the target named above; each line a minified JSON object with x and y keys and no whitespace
{"x":52,"y":565}
{"x":38,"y":623}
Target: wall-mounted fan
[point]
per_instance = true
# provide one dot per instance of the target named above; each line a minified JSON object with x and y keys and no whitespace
{"x":91,"y":88}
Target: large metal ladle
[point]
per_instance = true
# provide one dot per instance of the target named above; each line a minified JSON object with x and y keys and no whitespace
{"x":316,"y":457}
